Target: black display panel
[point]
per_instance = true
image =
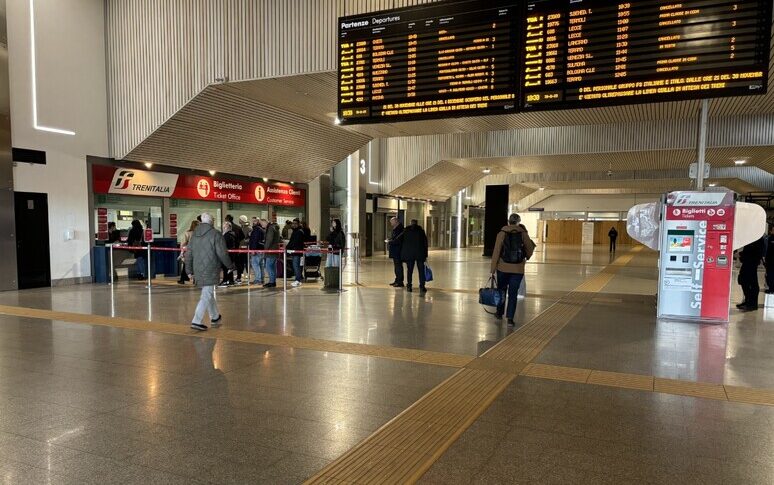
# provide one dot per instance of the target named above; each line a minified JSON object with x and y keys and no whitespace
{"x":442,"y":60}
{"x":585,"y":53}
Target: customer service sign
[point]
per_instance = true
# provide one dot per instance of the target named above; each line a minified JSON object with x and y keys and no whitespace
{"x":123,"y":181}
{"x":696,"y":255}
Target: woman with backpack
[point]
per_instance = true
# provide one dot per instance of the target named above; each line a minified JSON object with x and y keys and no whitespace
{"x":513,"y":247}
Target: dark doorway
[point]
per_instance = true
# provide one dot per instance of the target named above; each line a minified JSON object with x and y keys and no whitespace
{"x":32,"y":251}
{"x":369,"y":251}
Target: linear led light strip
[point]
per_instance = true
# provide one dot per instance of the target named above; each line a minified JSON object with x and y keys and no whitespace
{"x":35,"y":82}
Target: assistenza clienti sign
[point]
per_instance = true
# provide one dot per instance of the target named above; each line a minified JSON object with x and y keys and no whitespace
{"x":111,"y":180}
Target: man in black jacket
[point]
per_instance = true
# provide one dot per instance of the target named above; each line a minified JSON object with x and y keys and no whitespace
{"x":613,"y":235}
{"x":257,"y":237}
{"x":394,"y":245}
{"x":296,"y":243}
{"x":750,"y":257}
{"x":414,"y":253}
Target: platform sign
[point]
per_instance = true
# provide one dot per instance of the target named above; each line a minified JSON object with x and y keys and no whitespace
{"x":696,"y":256}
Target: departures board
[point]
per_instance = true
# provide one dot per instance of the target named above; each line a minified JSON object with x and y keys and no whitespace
{"x":478,"y":57}
{"x":441,"y":60}
{"x":579,"y":53}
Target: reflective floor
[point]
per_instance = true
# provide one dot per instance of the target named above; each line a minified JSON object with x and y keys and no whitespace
{"x":84,"y":403}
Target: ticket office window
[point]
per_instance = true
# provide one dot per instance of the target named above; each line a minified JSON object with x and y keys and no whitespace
{"x":249,"y":210}
{"x":123,"y":209}
{"x":188,"y":210}
{"x":289,"y":213}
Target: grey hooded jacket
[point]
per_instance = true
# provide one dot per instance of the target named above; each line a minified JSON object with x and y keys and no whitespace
{"x":205,"y":255}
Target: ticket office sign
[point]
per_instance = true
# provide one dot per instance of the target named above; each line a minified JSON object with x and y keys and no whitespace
{"x":696,"y":256}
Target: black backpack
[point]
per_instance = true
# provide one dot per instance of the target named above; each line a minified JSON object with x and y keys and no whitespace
{"x":513,"y":248}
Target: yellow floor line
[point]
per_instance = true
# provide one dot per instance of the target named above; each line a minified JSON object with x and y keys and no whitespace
{"x":243,"y":336}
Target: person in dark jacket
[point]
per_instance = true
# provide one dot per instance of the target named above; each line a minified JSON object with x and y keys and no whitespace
{"x":750,"y":257}
{"x":413,"y":252}
{"x":136,"y":238}
{"x":239,"y":236}
{"x":613,"y":235}
{"x":271,"y":243}
{"x":394,"y":245}
{"x":510,"y":274}
{"x":114,"y":235}
{"x":230,"y":240}
{"x":296,"y":243}
{"x":769,"y":262}
{"x":307,"y":232}
{"x":336,"y":243}
{"x":206,"y":255}
{"x":257,"y":238}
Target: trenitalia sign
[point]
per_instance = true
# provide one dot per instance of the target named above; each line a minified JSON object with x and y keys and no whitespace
{"x":123,"y":181}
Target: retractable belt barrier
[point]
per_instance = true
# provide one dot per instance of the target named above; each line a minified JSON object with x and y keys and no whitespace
{"x":283,"y":251}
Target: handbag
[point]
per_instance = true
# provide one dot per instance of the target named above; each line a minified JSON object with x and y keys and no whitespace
{"x":428,"y":273}
{"x":491,"y":295}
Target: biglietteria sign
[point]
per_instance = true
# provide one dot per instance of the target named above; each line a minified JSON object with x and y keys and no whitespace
{"x":123,"y":181}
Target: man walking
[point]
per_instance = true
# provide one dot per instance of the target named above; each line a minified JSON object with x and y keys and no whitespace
{"x":203,"y":260}
{"x":613,"y":235}
{"x":271,"y":243}
{"x":395,"y":243}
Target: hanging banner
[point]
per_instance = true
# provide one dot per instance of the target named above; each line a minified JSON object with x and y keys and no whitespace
{"x":112,"y":180}
{"x":697,"y":255}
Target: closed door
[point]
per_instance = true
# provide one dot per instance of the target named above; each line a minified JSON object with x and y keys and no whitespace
{"x":32,"y":250}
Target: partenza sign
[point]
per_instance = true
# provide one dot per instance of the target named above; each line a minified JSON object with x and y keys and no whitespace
{"x":112,"y":180}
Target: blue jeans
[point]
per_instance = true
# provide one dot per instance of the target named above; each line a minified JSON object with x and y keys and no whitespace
{"x":257,"y":263}
{"x":271,"y":267}
{"x":510,"y":282}
{"x":297,"y":267}
{"x":141,"y":265}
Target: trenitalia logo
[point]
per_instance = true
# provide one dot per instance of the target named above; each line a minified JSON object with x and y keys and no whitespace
{"x":123,"y":179}
{"x":140,"y":182}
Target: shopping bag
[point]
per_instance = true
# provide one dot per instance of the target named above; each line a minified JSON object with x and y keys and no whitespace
{"x":491,"y":295}
{"x":428,"y":273}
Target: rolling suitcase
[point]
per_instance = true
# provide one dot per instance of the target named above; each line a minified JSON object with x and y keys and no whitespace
{"x":331,"y":281}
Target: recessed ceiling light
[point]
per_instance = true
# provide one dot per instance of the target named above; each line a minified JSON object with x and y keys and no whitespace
{"x":713,"y":185}
{"x":213,"y":172}
{"x":487,"y":170}
{"x":292,"y":183}
{"x":337,"y":121}
{"x":542,"y":188}
{"x":265,"y":179}
{"x":740,"y":162}
{"x":148,"y":165}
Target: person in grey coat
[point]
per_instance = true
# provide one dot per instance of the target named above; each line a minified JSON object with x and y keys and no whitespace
{"x":271,"y":243}
{"x":206,"y":254}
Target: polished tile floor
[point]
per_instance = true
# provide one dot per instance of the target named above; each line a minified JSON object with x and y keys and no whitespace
{"x":97,"y":404}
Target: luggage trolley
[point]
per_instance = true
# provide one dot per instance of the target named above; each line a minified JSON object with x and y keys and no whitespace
{"x":312,"y":262}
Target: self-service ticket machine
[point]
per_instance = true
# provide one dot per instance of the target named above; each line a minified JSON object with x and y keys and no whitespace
{"x":696,"y":234}
{"x":696,"y":259}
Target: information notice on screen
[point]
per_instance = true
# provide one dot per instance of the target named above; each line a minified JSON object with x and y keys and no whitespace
{"x":442,"y":60}
{"x":477,"y":57}
{"x":579,"y":53}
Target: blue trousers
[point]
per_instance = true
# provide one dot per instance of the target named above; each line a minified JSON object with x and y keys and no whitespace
{"x":257,"y":263}
{"x":297,"y":267}
{"x":510,"y":282}
{"x":271,"y":267}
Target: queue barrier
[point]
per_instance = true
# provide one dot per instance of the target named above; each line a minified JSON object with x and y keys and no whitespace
{"x":284,"y":253}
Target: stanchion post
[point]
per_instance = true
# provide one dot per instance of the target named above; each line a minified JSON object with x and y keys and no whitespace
{"x":112,"y":271}
{"x":357,"y":263}
{"x":284,"y":270}
{"x":249,"y":264}
{"x":341,"y":271}
{"x":149,"y":266}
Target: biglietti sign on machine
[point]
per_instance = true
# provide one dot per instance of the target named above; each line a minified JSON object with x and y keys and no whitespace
{"x":123,"y":181}
{"x":696,"y":234}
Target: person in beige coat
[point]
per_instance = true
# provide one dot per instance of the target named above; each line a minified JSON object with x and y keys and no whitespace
{"x":513,"y":247}
{"x":186,"y":240}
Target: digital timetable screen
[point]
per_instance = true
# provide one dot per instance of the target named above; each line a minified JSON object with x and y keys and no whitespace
{"x":477,"y":57}
{"x":579,"y":53}
{"x":441,"y":60}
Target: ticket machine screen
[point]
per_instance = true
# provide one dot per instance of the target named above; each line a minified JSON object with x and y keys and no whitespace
{"x":680,"y":241}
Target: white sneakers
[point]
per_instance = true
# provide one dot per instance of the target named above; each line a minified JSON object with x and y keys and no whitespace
{"x":295,"y":284}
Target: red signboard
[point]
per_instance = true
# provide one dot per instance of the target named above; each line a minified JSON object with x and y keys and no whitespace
{"x":148,"y":235}
{"x":109,"y":180}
